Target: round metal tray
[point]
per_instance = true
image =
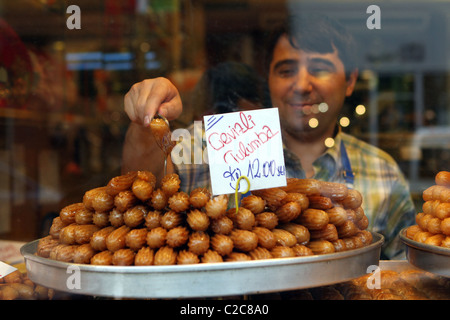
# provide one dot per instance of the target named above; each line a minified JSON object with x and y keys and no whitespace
{"x":427,"y":257}
{"x":204,"y":279}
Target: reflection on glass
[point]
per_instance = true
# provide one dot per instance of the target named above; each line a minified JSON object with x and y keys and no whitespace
{"x":360,"y":109}
{"x":344,"y":122}
{"x":313,"y":122}
{"x":329,"y":142}
{"x":323,"y":107}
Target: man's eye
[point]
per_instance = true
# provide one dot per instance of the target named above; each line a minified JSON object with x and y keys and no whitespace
{"x":320,"y":70}
{"x":287,"y":72}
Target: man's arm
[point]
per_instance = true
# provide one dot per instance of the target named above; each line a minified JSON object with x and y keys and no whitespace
{"x":142,"y":102}
{"x":140,"y":152}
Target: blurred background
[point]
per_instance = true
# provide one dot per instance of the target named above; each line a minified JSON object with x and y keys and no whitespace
{"x":61,"y":90}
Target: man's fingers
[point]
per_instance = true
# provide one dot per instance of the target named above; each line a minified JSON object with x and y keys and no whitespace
{"x":170,"y":109}
{"x":150,"y":96}
{"x":130,"y":107}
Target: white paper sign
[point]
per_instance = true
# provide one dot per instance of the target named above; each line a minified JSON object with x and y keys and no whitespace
{"x":6,"y":269}
{"x":245,"y":143}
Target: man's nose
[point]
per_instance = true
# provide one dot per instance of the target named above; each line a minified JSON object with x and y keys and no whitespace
{"x":302,"y":82}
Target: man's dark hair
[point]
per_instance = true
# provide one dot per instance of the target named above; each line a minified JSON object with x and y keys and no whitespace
{"x":314,"y":33}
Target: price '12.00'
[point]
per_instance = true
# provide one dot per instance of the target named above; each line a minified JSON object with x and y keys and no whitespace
{"x":256,"y":170}
{"x":265,"y":170}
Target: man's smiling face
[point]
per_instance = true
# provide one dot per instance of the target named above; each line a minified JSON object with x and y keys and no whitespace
{"x":300,"y":82}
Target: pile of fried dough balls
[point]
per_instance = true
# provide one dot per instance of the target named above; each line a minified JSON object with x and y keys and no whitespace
{"x":433,"y":223}
{"x":134,"y":221}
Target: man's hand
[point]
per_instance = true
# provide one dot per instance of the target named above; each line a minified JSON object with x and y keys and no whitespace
{"x":152,"y":96}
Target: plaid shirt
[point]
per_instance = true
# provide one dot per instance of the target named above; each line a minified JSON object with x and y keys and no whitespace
{"x":386,"y":198}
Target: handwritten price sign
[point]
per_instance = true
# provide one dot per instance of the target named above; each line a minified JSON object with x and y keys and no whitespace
{"x":246,"y":143}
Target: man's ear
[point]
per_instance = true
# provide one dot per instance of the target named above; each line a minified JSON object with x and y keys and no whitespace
{"x":351,"y":82}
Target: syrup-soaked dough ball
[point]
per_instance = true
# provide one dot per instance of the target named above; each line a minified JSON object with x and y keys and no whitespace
{"x":45,"y":246}
{"x":301,"y":250}
{"x":217,"y":206}
{"x":347,"y":229}
{"x":321,"y":246}
{"x":272,"y":196}
{"x":116,"y":239}
{"x":253,"y":203}
{"x":313,"y":219}
{"x":301,"y":233}
{"x":165,"y":256}
{"x":144,"y":257}
{"x":328,"y":233}
{"x":120,"y":183}
{"x":237,"y":256}
{"x":211,"y":256}
{"x":199,"y":197}
{"x":125,"y":200}
{"x":156,"y":238}
{"x":187,"y":257}
{"x":222,"y":244}
{"x":83,"y":254}
{"x":177,"y":236}
{"x":135,"y":216}
{"x":288,"y":211}
{"x":266,"y":238}
{"x":63,"y":253}
{"x":353,"y":200}
{"x":84,"y":216}
{"x":320,"y":202}
{"x":136,"y":238}
{"x":84,"y":232}
{"x":222,"y":225}
{"x":244,"y":219}
{"x":300,"y":198}
{"x":304,"y":186}
{"x":337,"y":215}
{"x":101,"y":219}
{"x":199,"y":242}
{"x":260,"y":253}
{"x":116,"y":218}
{"x":159,"y":199}
{"x":171,"y":219}
{"x":102,"y":258}
{"x":179,"y":201}
{"x":197,"y":220}
{"x":266,"y":219}
{"x":67,"y":234}
{"x":142,"y":189}
{"x":153,"y":219}
{"x":282,"y":252}
{"x":123,"y":257}
{"x":67,"y":214}
{"x":55,"y":228}
{"x":284,"y":238}
{"x":98,"y":239}
{"x":442,"y":178}
{"x":170,"y":184}
{"x":244,"y":240}
{"x":100,"y":200}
